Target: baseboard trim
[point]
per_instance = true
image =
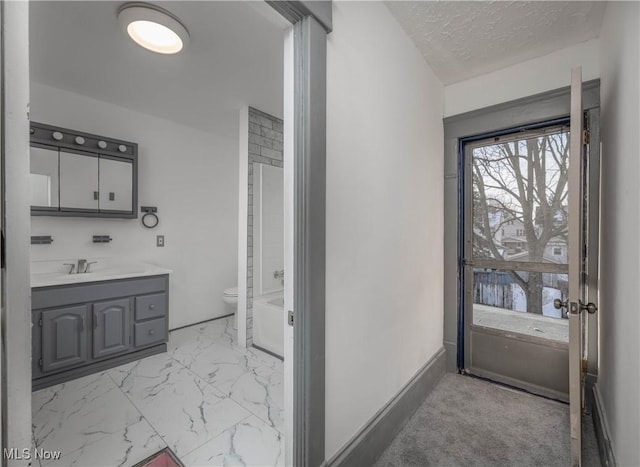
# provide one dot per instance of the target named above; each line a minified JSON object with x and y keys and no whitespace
{"x":452,"y":356}
{"x":371,"y":441}
{"x":200,"y":322}
{"x":603,"y":435}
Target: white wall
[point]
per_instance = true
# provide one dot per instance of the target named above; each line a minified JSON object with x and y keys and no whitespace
{"x":525,"y":79}
{"x":190,"y":175}
{"x":619,"y":380}
{"x":384,"y":265}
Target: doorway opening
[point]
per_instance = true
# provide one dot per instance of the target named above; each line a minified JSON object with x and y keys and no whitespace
{"x":141,"y":353}
{"x":514,"y":257}
{"x":304,"y":76}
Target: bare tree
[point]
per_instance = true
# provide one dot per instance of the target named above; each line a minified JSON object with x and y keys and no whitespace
{"x":523,"y":181}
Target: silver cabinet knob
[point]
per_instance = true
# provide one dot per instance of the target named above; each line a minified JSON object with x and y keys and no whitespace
{"x":122,"y":148}
{"x":152,"y":307}
{"x":57,"y":136}
{"x":102,"y":144}
{"x":151,"y":332}
{"x":79,"y":140}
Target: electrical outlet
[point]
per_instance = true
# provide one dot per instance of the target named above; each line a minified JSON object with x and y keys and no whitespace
{"x":159,"y":240}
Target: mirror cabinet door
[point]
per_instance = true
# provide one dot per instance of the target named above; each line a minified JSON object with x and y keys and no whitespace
{"x":44,"y":177}
{"x":78,"y":181}
{"x":116,"y":185}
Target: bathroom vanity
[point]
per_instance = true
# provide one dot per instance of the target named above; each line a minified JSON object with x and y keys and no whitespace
{"x":85,"y":323}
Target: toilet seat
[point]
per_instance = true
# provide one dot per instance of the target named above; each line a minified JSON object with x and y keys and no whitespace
{"x":231,"y":292}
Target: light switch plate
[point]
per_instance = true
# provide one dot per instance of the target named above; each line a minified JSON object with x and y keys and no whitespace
{"x":160,"y":240}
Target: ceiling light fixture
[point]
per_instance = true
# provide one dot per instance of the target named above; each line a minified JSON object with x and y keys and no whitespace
{"x":153,"y":28}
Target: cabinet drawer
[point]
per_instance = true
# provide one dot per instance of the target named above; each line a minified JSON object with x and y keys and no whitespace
{"x":150,"y":332}
{"x":151,"y":306}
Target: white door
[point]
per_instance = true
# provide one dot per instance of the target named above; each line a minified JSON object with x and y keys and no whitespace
{"x":577,"y":306}
{"x":289,"y":196}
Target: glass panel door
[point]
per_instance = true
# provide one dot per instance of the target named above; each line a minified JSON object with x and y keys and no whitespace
{"x":516,"y":259}
{"x":529,"y":265}
{"x":577,"y":296}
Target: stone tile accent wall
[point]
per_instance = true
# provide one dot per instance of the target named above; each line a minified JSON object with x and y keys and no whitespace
{"x":265,"y":147}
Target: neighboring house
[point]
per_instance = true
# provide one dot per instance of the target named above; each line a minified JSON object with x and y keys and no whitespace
{"x":510,"y":237}
{"x":554,"y":252}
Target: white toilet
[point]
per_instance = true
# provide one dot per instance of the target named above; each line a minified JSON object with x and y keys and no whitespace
{"x":230,"y":297}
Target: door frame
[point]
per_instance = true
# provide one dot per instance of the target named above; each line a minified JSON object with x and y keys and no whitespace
{"x":541,"y":107}
{"x":311,"y":21}
{"x":16,"y":227}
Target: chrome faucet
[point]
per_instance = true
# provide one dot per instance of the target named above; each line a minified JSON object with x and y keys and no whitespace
{"x":81,"y":268}
{"x":279,"y":275}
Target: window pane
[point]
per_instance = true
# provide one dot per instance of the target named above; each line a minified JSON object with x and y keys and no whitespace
{"x":519,"y":203}
{"x":521,"y":302}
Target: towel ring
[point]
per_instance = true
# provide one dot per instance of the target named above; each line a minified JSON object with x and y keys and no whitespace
{"x":152,"y":220}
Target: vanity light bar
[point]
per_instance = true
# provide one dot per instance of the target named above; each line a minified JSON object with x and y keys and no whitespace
{"x":46,"y":134}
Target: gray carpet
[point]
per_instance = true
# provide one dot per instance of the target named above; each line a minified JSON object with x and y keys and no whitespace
{"x":469,"y":422}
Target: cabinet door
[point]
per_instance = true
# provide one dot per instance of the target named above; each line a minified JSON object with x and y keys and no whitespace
{"x":44,"y":177}
{"x":64,"y":338}
{"x":116,"y":185}
{"x":111,"y":327}
{"x":78,"y":181}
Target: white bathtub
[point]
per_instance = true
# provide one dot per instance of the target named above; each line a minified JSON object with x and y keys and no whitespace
{"x":268,"y":323}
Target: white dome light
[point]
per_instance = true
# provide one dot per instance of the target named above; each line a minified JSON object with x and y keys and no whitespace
{"x":153,"y":28}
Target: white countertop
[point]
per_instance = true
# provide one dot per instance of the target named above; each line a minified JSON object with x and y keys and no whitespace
{"x":48,"y":273}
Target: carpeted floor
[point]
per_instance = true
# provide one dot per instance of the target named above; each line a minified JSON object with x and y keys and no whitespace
{"x":470,"y":422}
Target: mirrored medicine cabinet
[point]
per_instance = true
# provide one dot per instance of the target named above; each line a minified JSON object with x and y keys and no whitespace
{"x":78,"y":174}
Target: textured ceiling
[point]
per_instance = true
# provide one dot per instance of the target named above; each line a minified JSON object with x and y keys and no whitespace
{"x":461,"y":40}
{"x":234,"y":59}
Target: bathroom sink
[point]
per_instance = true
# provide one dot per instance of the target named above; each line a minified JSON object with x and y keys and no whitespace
{"x":102,"y":271}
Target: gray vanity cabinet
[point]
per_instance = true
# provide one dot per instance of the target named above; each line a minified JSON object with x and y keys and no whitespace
{"x":111,"y":327}
{"x":79,"y":329}
{"x":64,"y":338}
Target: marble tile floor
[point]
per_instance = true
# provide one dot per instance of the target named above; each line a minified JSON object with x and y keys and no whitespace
{"x":211,"y":401}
